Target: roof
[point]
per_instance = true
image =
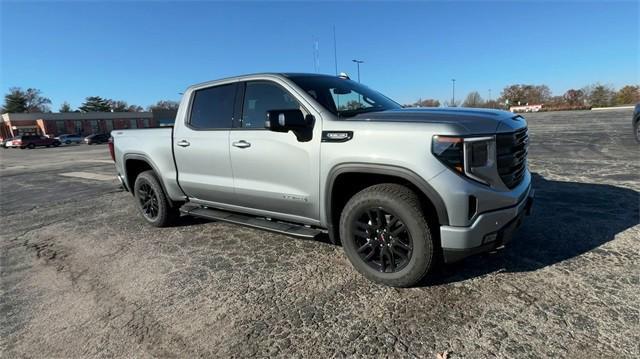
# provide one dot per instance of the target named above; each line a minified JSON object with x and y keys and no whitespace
{"x":73,"y":116}
{"x":258,"y":74}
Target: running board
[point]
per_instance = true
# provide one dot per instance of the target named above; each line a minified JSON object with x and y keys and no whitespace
{"x":291,"y":229}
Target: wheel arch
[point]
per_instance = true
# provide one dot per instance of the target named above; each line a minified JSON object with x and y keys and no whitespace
{"x":134,"y":164}
{"x":366,"y":174}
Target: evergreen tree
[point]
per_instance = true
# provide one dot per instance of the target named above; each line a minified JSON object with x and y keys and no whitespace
{"x":95,"y":104}
{"x":65,"y":107}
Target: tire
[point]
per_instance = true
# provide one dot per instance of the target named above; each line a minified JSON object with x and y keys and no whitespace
{"x":636,"y":130}
{"x":31,"y":146}
{"x":158,"y":212}
{"x":56,"y":144}
{"x":370,"y":224}
{"x":67,"y":142}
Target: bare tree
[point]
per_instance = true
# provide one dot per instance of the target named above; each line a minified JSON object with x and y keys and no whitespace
{"x":599,"y":95}
{"x":628,"y":95}
{"x":473,"y":100}
{"x":164,"y":105}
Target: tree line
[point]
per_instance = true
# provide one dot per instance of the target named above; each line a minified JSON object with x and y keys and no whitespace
{"x":18,"y":100}
{"x":595,"y":95}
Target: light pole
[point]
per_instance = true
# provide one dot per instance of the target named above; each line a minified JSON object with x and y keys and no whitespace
{"x":453,"y":92}
{"x":358,"y":62}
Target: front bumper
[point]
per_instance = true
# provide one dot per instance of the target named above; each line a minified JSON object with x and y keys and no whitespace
{"x":489,"y":231}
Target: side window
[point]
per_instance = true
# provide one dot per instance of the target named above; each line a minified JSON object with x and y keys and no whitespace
{"x":260,"y":97}
{"x":213,"y":107}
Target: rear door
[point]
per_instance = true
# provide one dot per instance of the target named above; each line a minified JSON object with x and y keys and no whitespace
{"x":201,"y":145}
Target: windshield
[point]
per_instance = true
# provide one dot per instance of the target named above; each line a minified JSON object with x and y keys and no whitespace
{"x":344,"y":97}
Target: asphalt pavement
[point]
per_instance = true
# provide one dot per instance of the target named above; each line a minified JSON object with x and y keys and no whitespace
{"x":83,"y":276}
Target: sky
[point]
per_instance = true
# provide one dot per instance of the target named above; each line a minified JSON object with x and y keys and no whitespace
{"x":142,"y":52}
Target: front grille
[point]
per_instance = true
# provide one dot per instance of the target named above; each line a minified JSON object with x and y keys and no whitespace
{"x":511,"y":151}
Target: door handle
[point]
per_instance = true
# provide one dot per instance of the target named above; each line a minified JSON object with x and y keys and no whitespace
{"x":241,"y":144}
{"x":183,"y":143}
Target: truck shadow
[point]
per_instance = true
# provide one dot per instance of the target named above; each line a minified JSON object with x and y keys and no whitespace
{"x":568,"y":219}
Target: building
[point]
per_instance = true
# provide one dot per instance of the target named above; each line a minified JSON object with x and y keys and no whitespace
{"x":54,"y":124}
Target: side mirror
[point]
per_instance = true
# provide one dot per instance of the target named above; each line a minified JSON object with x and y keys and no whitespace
{"x":290,"y":120}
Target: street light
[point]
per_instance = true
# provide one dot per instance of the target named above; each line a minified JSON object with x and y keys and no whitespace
{"x":453,"y":93}
{"x":358,"y":62}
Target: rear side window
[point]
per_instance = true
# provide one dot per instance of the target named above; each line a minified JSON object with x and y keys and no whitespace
{"x":212,"y":108}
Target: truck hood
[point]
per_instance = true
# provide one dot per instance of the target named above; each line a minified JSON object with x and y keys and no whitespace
{"x":471,"y":120}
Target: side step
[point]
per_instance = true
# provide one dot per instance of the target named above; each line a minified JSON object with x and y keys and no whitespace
{"x":291,"y":229}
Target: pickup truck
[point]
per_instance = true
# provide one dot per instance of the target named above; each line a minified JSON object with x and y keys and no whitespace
{"x":304,"y":154}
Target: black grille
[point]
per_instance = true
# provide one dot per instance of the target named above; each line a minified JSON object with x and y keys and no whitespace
{"x":512,"y":156}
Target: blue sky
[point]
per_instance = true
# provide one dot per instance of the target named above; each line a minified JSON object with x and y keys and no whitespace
{"x":142,"y":52}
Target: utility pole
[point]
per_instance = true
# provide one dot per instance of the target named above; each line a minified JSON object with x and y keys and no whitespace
{"x":335,"y":50}
{"x":453,"y":93}
{"x":358,"y":62}
{"x":316,"y":55}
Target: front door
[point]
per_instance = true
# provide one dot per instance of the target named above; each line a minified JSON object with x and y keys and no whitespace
{"x":273,"y":171}
{"x":201,"y":145}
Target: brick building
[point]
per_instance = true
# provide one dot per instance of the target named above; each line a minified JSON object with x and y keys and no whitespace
{"x":54,"y":124}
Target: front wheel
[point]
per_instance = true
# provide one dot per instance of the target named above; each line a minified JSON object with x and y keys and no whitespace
{"x":636,"y":130}
{"x":385,"y":235}
{"x":152,"y":202}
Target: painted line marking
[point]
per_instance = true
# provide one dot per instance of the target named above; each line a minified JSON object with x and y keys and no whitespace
{"x":88,"y":175}
{"x":97,"y":161}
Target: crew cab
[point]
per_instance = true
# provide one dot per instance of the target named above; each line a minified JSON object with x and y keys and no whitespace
{"x":305,"y":154}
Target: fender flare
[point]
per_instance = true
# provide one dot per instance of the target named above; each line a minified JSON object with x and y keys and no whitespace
{"x":147,"y":160}
{"x":388,"y":170}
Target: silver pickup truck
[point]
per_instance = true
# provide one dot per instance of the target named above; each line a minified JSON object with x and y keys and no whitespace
{"x":305,"y":154}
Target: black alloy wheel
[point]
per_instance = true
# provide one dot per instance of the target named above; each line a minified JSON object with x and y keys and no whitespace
{"x":152,"y":202}
{"x":382,"y":240}
{"x":385,"y":235}
{"x":148,"y":201}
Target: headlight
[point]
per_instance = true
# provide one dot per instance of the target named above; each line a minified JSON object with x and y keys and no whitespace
{"x":449,"y":150}
{"x":473,"y":157}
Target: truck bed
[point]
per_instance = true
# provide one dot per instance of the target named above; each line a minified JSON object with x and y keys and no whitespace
{"x":155,"y":145}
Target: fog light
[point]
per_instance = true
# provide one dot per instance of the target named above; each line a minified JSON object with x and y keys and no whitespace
{"x":490,"y":237}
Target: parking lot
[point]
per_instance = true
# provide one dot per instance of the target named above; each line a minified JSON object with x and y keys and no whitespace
{"x":82,"y":275}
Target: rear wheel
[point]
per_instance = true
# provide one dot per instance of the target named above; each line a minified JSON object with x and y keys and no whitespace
{"x":636,"y":130}
{"x":152,"y":202}
{"x":31,"y":146}
{"x":385,"y":235}
{"x":56,"y":144}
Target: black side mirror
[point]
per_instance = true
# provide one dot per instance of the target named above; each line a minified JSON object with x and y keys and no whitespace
{"x":290,"y":120}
